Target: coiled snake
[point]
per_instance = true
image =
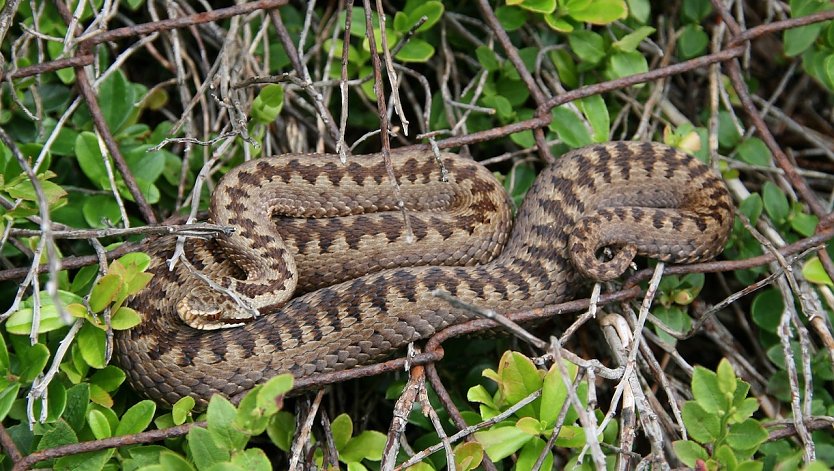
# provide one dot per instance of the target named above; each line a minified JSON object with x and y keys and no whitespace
{"x":340,"y":221}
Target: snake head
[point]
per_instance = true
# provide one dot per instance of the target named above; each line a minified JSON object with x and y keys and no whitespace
{"x":205,"y":309}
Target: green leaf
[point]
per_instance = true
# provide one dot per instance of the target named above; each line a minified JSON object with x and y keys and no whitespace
{"x":571,"y":436}
{"x":818,"y":64}
{"x":701,"y":425}
{"x":7,"y":398}
{"x":137,"y":418}
{"x":137,"y":283}
{"x":91,"y":341}
{"x":149,"y":191}
{"x":689,"y":452}
{"x":4,"y":355}
{"x":342,"y":428}
{"x":587,"y":45}
{"x":752,"y":207}
{"x":624,"y":64}
{"x":281,"y":429}
{"x":90,"y":461}
{"x":117,"y":99}
{"x":468,"y":456}
{"x":510,"y":18}
{"x":251,"y":419}
{"x":797,"y":40}
{"x":135,"y":261}
{"x":639,"y":10}
{"x":221,"y":424}
{"x":20,"y":322}
{"x":125,"y":318}
{"x":631,"y":41}
{"x":272,"y":95}
{"x":766,"y":310}
{"x":164,"y":421}
{"x":169,"y":460}
{"x":98,"y":424}
{"x":515,"y":93}
{"x":519,"y":379}
{"x":271,"y":395}
{"x":82,"y":280}
{"x":803,"y":223}
{"x":367,"y":445}
{"x":75,"y":412}
{"x":268,"y":104}
{"x":100,"y":396}
{"x":416,"y":50}
{"x":530,"y":426}
{"x":724,"y":455}
{"x":754,"y":151}
{"x":402,"y":23}
{"x":145,"y":166}
{"x":813,"y":271}
{"x":225,"y":467}
{"x":182,"y":409}
{"x":431,"y":9}
{"x":538,"y":6}
{"x":745,"y":409}
{"x":89,"y":157}
{"x":726,"y":377}
{"x":530,"y":453}
{"x":55,"y":405}
{"x":33,"y":360}
{"x":828,"y":71}
{"x":253,"y":459}
{"x":706,"y":391}
{"x":105,"y":291}
{"x":747,"y":435}
{"x":501,"y":105}
{"x":203,"y":449}
{"x":565,"y":66}
{"x":519,"y":180}
{"x":775,"y":202}
{"x":728,"y":133}
{"x":570,"y":128}
{"x":554,"y":393}
{"x":558,"y":23}
{"x":674,"y":318}
{"x":692,"y":42}
{"x":101,"y":211}
{"x":109,"y":378}
{"x":486,"y":56}
{"x":593,"y":107}
{"x":694,"y":11}
{"x":598,"y":12}
{"x":812,"y":466}
{"x":523,"y":139}
{"x":421,"y":466}
{"x":60,"y":434}
{"x":26,"y":191}
{"x":478,"y":393}
{"x":502,"y":442}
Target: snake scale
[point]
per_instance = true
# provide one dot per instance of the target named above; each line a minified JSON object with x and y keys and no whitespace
{"x":348,"y":285}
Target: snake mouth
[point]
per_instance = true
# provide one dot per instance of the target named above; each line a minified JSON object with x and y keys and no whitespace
{"x":200,"y":310}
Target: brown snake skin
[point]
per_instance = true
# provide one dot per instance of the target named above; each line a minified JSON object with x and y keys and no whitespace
{"x":638,"y":198}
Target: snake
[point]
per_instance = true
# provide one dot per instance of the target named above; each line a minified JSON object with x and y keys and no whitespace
{"x":330,"y":266}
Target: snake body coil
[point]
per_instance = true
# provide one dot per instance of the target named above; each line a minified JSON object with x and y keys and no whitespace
{"x":339,"y":221}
